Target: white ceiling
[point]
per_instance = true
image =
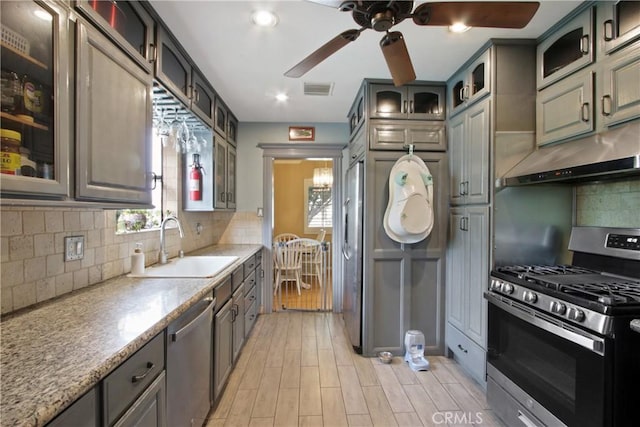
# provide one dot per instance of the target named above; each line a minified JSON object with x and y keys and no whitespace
{"x":245,"y":64}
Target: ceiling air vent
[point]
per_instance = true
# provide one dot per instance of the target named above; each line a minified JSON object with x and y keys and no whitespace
{"x":318,"y":89}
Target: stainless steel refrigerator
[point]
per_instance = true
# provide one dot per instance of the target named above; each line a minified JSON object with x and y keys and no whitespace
{"x":352,"y":252}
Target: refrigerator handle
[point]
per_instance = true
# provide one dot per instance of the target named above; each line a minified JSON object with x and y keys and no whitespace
{"x":346,"y":230}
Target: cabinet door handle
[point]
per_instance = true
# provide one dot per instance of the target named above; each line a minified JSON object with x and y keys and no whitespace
{"x":196,"y":94}
{"x":465,"y":92}
{"x":153,"y":53}
{"x":404,"y":106}
{"x":411,"y":107}
{"x":606,"y":105}
{"x":466,"y":188}
{"x":607,"y":30}
{"x":464,"y":223}
{"x":584,"y":112}
{"x":463,"y":349}
{"x":229,"y":197}
{"x":584,"y":44}
{"x":137,"y":378}
{"x":222,"y":196}
{"x":461,"y":188}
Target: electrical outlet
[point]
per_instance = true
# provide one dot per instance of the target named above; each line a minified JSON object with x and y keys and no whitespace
{"x":73,"y":248}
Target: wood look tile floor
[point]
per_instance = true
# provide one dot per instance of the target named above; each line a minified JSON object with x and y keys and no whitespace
{"x":298,"y":369}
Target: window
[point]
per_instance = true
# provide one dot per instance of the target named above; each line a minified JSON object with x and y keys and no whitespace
{"x":318,"y":213}
{"x":128,"y":220}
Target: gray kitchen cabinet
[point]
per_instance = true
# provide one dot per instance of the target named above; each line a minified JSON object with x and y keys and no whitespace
{"x":486,"y":139}
{"x":470,"y":84}
{"x":394,"y":135}
{"x":469,"y":150}
{"x":620,"y":86}
{"x":113,"y":153}
{"x":131,"y":382}
{"x":238,"y":313}
{"x":149,"y":409}
{"x":232,"y":129}
{"x":356,"y":114}
{"x":403,"y":284}
{"x":84,"y":412}
{"x":222,"y":348}
{"x":618,"y":23}
{"x":415,"y":101}
{"x":221,"y":116}
{"x":202,"y":98}
{"x":172,"y":67}
{"x":225,"y":174}
{"x":127,"y":23}
{"x":252,"y":286}
{"x":568,"y":49}
{"x":46,"y":133}
{"x":468,"y":270}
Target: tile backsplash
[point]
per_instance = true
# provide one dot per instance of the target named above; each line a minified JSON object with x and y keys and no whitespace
{"x":610,"y":204}
{"x":32,"y":247}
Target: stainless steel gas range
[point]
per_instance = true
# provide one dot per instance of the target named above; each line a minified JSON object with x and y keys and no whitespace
{"x":561,"y":349}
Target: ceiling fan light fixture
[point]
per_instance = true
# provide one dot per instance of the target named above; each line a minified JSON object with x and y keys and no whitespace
{"x":459,"y":27}
{"x":264,"y":18}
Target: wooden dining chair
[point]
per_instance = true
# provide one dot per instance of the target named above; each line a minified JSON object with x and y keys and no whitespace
{"x":288,"y":263}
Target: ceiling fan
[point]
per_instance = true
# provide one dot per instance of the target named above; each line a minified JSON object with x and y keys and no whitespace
{"x":383,"y":15}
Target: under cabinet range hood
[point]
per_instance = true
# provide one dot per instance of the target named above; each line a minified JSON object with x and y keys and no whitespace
{"x":612,"y":154}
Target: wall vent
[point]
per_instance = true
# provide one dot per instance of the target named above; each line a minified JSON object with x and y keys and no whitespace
{"x":318,"y":89}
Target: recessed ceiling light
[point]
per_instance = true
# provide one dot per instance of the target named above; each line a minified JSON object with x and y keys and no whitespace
{"x":43,"y":15}
{"x":282,"y":97}
{"x":264,"y":18}
{"x":458,"y":27}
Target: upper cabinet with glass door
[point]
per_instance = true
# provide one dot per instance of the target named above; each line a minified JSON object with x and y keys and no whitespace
{"x":415,"y":102}
{"x":470,"y":84}
{"x":173,"y":68}
{"x":618,"y":24}
{"x":127,"y":23}
{"x":566,"y":50}
{"x":35,"y":99}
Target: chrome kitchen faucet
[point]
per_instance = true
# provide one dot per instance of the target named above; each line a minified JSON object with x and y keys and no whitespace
{"x":163,"y":254}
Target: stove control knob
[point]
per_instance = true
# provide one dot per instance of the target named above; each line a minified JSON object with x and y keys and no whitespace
{"x":507,"y":288}
{"x":530,"y":297}
{"x":575,"y":314}
{"x":495,"y":285}
{"x":557,"y":307}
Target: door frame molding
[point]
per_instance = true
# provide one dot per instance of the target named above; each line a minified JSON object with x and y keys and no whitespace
{"x":272,"y":151}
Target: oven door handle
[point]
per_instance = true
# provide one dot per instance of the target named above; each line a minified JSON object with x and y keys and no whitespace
{"x":592,"y":343}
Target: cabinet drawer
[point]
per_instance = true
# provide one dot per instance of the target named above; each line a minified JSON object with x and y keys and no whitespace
{"x":250,"y":316}
{"x":250,"y":297}
{"x":123,"y":386}
{"x":249,"y":266}
{"x":394,"y":136}
{"x":222,"y":292}
{"x":470,"y":356}
{"x":250,"y":281}
{"x":237,"y":277}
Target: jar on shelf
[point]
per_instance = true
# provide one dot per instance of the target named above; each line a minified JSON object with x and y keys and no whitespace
{"x":32,"y":98}
{"x":11,"y":91}
{"x":10,"y":142}
{"x":27,"y":166}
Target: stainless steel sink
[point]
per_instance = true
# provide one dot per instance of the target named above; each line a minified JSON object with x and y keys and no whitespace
{"x":189,"y":267}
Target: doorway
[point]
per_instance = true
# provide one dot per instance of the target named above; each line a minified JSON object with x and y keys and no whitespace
{"x":303,"y":212}
{"x":318,"y":206}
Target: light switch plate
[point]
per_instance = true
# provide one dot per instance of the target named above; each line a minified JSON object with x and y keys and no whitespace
{"x":73,"y":248}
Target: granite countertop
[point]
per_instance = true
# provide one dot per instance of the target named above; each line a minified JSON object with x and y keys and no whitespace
{"x":635,"y":325}
{"x":52,"y":354}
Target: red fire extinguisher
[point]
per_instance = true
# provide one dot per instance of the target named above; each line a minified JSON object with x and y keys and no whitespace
{"x":195,"y":179}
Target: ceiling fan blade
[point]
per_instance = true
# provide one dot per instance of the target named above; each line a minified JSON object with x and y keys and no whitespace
{"x":495,"y":14}
{"x":396,"y":54}
{"x":322,"y":53}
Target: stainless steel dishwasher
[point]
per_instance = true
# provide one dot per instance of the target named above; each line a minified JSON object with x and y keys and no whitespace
{"x":189,"y":365}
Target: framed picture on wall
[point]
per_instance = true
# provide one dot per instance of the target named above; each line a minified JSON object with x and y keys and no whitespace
{"x":300,"y":133}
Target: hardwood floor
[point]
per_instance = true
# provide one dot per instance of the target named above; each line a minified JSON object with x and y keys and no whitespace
{"x":298,"y":369}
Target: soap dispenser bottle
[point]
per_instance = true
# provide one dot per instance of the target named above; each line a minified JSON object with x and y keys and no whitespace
{"x":137,"y":260}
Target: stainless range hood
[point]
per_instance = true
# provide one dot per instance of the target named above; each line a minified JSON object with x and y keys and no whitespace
{"x":612,"y":154}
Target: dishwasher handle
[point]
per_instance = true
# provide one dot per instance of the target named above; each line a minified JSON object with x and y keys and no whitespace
{"x":194,"y":323}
